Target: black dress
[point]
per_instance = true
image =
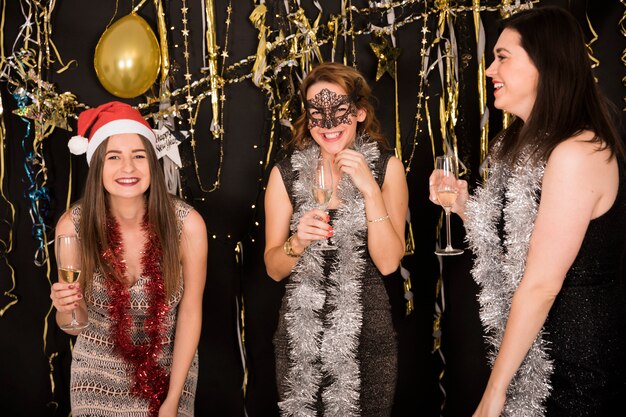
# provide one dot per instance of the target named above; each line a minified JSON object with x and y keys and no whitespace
{"x":377,"y":345}
{"x":586,"y":327}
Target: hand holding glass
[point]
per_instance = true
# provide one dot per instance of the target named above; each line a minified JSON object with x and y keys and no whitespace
{"x":447,"y":169}
{"x":69,"y":265}
{"x":322,"y":191}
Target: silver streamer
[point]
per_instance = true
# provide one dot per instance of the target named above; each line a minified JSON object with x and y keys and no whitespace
{"x":327,"y":349}
{"x":512,"y":193}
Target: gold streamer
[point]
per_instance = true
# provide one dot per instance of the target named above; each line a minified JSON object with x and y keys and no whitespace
{"x":352,"y":35}
{"x":2,"y":19}
{"x":242,"y":318}
{"x":438,"y":315}
{"x":397,"y":110}
{"x":596,"y":62}
{"x":308,"y":32}
{"x":257,"y":17}
{"x":506,"y":119}
{"x":6,"y":246}
{"x":410,"y":305}
{"x":165,"y":54}
{"x":68,"y":199}
{"x":622,"y":29}
{"x":51,"y":359}
{"x":422,"y":75}
{"x":482,"y":86}
{"x":214,"y":79}
{"x":430,"y":134}
{"x":333,"y":27}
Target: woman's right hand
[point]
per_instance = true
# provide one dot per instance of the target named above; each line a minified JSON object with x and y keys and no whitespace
{"x":65,"y":297}
{"x":461,"y":200}
{"x":313,"y":225}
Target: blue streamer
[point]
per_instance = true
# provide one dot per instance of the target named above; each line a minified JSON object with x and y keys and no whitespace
{"x":38,"y":195}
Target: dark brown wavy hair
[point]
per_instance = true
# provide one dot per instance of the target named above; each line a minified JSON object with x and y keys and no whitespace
{"x":568,"y":98}
{"x":160,"y":208}
{"x":355,"y":85}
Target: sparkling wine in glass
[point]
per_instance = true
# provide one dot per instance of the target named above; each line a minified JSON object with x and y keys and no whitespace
{"x":69,"y":266}
{"x":322,"y":191}
{"x":446,"y":170}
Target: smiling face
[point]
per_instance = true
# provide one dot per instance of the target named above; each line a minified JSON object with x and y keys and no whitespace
{"x":126,"y":170}
{"x":514,"y":76}
{"x":332,"y":117}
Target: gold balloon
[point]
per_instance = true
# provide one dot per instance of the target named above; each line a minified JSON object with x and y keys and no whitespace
{"x":128,"y":58}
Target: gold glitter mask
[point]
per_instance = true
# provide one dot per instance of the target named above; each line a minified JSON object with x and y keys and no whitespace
{"x":328,"y":109}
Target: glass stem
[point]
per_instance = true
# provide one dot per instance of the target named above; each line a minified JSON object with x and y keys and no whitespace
{"x":74,"y":321}
{"x":448,"y":237}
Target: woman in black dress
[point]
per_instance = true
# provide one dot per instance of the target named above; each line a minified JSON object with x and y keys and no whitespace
{"x":549,"y":229}
{"x":335,"y":344}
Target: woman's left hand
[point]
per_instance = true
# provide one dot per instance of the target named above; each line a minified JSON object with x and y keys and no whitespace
{"x":353,"y":163}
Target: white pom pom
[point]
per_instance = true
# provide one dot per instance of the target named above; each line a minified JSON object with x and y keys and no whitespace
{"x":78,"y":145}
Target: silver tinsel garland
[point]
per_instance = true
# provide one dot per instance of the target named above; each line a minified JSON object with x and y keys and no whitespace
{"x":511,"y":195}
{"x":327,"y":350}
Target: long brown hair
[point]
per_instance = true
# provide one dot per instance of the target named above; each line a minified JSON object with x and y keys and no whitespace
{"x":355,"y":85}
{"x":568,"y":98}
{"x":160,"y":209}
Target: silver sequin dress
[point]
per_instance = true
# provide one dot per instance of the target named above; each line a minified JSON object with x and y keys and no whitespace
{"x":100,"y":383}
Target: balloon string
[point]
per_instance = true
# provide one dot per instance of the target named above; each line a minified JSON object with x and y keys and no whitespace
{"x":114,"y":14}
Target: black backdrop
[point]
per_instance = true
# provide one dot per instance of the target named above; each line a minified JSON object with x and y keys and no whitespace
{"x":35,"y":356}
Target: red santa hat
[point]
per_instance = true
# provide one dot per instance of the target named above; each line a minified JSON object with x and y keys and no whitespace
{"x":113,"y":118}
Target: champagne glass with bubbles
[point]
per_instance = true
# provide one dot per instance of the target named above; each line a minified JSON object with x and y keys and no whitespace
{"x":322,"y":191}
{"x":69,"y":265}
{"x":446,"y":169}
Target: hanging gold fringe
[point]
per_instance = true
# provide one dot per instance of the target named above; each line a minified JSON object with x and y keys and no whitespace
{"x":622,"y":29}
{"x":165,"y":54}
{"x":6,"y":239}
{"x":482,"y":85}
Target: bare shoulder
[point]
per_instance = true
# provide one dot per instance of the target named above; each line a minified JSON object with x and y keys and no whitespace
{"x":585,"y":171}
{"x":65,"y":225}
{"x":395,"y":181}
{"x":579,"y":154}
{"x":194,"y":225}
{"x":276,"y":187}
{"x":275,"y":177}
{"x":395,"y":168}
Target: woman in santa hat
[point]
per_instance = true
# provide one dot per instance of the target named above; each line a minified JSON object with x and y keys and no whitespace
{"x":144,"y":255}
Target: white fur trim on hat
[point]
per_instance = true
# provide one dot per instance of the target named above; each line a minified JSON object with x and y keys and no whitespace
{"x":117,"y":127}
{"x":78,"y":145}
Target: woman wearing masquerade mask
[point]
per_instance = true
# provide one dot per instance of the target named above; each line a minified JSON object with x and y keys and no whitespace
{"x":335,"y":343}
{"x":144,"y":258}
{"x":549,"y":229}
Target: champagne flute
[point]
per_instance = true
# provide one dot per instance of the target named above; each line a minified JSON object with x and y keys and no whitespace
{"x":322,"y":191}
{"x":69,"y":266}
{"x":446,"y":190}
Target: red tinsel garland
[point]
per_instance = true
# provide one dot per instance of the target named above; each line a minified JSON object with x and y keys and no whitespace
{"x":150,"y":380}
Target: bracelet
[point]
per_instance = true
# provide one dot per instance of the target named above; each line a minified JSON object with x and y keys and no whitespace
{"x":379,"y":219}
{"x":289,"y":250}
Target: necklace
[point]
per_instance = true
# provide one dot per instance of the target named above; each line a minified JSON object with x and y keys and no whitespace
{"x":149,"y":379}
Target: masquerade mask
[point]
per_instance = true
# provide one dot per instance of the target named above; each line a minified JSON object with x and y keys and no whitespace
{"x":328,"y":109}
